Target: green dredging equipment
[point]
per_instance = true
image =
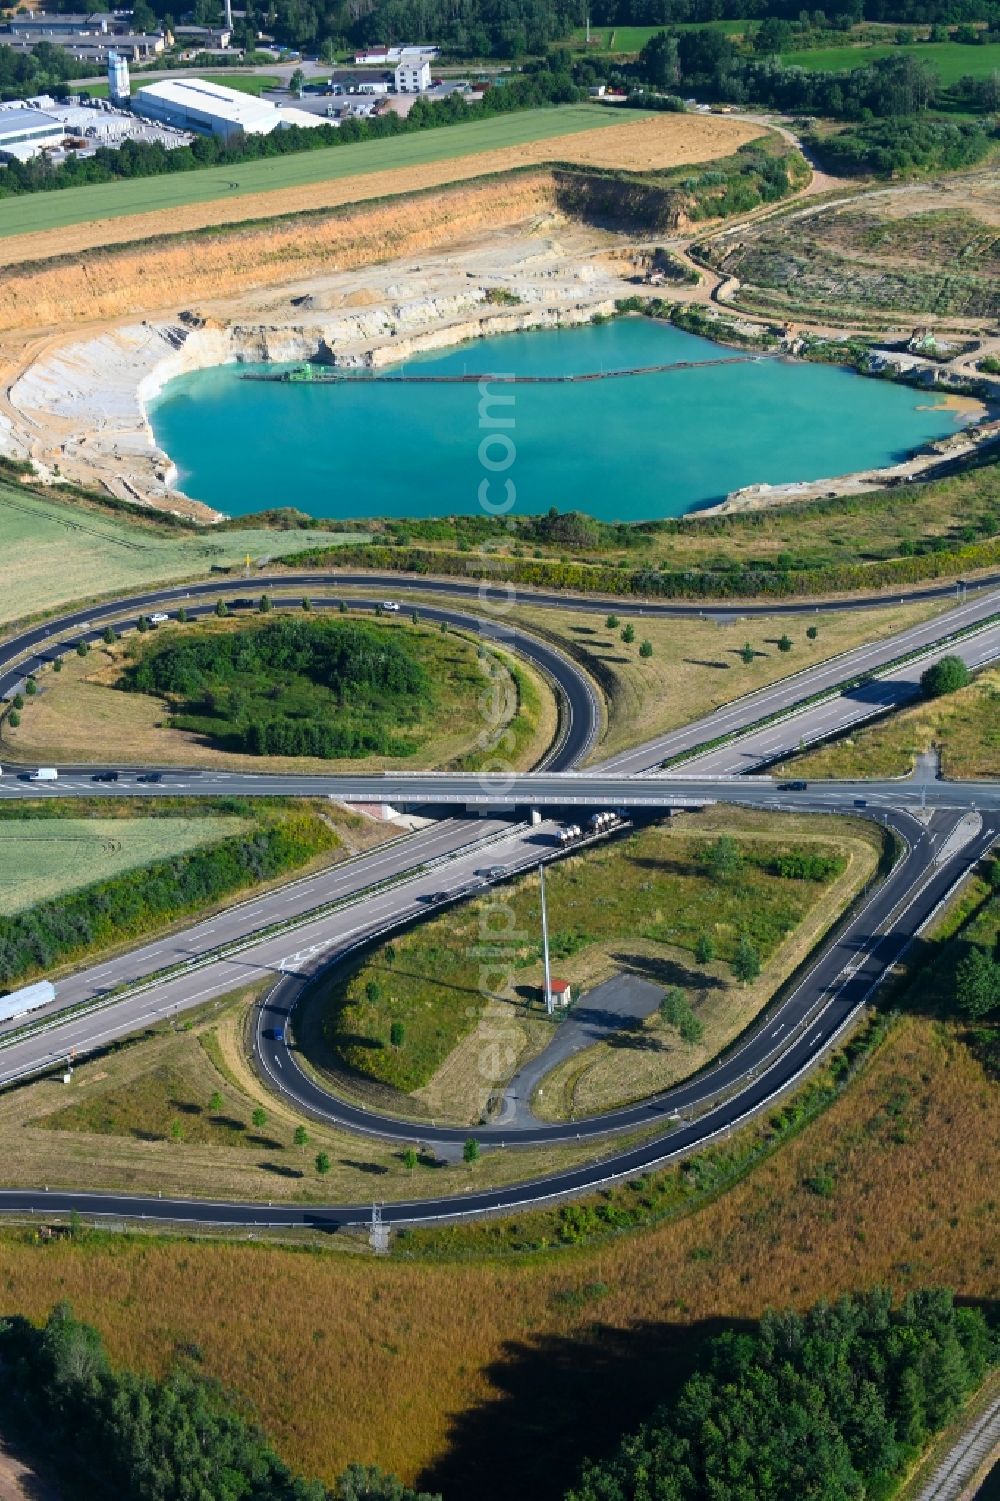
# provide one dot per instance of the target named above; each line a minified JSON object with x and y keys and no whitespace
{"x":321,"y":375}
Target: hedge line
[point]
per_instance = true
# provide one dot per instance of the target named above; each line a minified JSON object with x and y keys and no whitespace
{"x":134,"y":903}
{"x":690,"y":583}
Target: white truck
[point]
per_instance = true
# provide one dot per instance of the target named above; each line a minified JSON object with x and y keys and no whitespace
{"x":44,"y":774}
{"x":28,"y":998}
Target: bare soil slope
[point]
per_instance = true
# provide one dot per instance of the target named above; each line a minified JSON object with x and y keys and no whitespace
{"x":662,"y":141}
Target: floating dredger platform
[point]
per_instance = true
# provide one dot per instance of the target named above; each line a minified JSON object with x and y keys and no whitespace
{"x":325,"y":375}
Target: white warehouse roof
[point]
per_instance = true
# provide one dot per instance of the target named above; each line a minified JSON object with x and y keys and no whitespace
{"x":20,"y":121}
{"x":190,"y":103}
{"x":200,"y":99}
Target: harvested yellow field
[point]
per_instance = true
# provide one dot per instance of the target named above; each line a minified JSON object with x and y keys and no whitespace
{"x":647,"y":144}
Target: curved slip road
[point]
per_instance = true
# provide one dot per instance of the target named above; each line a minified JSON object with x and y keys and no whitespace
{"x":848,"y":990}
{"x":767,"y":1062}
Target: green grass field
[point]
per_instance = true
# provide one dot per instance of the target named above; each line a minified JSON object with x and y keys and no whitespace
{"x":41,"y":858}
{"x":247,"y":83}
{"x":613,"y":41}
{"x":640,"y":905}
{"x":43,"y":211}
{"x":55,"y":551}
{"x":952,"y":60}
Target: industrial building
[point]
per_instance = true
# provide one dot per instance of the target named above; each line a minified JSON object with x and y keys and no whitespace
{"x":207,"y":108}
{"x":385,"y":57}
{"x":413,"y":73}
{"x":24,"y":132}
{"x":119,"y":86}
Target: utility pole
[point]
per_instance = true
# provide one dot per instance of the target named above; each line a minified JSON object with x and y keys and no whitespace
{"x":378,"y":1233}
{"x":545,"y":944}
{"x":588,"y":28}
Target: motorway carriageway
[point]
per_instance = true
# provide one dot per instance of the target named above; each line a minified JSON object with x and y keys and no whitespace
{"x":923,"y":880}
{"x":32,"y":650}
{"x":765,"y":1066}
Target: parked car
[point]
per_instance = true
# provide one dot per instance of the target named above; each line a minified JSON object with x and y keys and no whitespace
{"x":158,"y":618}
{"x":390,"y":604}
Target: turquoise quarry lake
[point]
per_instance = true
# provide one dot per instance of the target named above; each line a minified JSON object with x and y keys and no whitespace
{"x":629,"y":449}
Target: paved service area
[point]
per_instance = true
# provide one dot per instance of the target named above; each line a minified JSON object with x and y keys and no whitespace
{"x":609,"y":1008}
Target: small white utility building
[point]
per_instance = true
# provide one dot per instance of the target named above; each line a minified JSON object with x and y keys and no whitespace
{"x":413,"y":73}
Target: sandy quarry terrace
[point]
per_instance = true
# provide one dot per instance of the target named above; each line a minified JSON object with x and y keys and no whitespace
{"x":655,"y":142}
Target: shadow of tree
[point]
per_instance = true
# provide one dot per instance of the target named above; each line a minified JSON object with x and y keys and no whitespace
{"x":281,"y":1170}
{"x":666,"y":971}
{"x":562,"y":1399}
{"x":373,"y":1169}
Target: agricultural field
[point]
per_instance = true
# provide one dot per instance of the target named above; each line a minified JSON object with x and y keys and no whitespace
{"x":246,"y":83}
{"x":530,"y":1363}
{"x":41,"y":858}
{"x":418,"y":1017}
{"x":56,"y":552}
{"x":696,"y":665}
{"x":952,"y":60}
{"x":614,"y":41}
{"x":928,"y":252}
{"x":48,"y":211}
{"x":80,"y":711}
{"x":964,"y":726}
{"x":338,"y":177}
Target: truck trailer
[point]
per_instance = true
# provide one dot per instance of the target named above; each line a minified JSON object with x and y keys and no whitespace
{"x":28,"y":998}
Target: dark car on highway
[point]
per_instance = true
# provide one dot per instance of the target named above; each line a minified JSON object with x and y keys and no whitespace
{"x":105,"y":776}
{"x":792,"y":786}
{"x":150,"y":776}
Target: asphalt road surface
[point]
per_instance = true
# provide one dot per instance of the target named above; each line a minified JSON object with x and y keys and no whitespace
{"x":438,"y":866}
{"x":841,"y":980}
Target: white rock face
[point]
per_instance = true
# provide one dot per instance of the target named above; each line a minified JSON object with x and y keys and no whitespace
{"x":81,"y":407}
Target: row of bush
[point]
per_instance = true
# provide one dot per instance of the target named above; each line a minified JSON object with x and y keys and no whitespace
{"x":149,"y":159}
{"x":738,"y":582}
{"x":138,"y":901}
{"x":320,"y":737}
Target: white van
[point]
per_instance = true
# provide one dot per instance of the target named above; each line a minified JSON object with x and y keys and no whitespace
{"x":44,"y":774}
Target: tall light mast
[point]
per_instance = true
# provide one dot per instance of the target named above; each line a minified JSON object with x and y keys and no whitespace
{"x":545,"y":944}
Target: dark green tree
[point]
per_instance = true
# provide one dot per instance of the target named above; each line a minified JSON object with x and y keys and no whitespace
{"x":746,"y":961}
{"x":977,"y":983}
{"x":945,"y":676}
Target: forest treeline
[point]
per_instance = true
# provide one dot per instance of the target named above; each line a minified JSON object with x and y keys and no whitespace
{"x":832,"y":1404}
{"x":128,"y":1437}
{"x":139,"y":901}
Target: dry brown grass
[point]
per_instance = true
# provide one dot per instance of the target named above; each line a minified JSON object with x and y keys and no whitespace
{"x":964,"y":725}
{"x":82,"y":710}
{"x":695,"y":666}
{"x":656,"y":142}
{"x":491,"y":1371}
{"x":112,"y":1128}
